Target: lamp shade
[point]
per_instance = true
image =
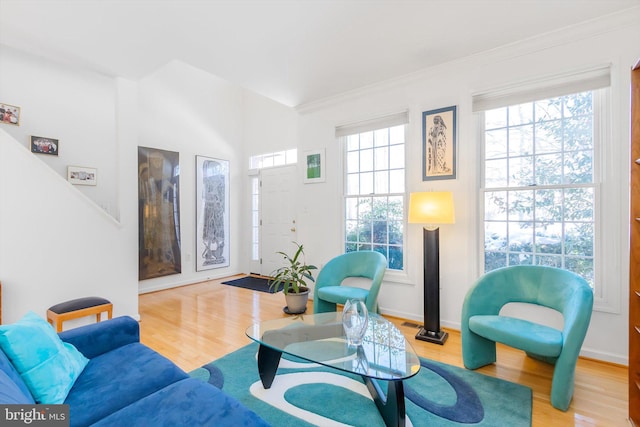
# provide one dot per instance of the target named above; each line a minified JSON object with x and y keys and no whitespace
{"x":431,"y":207}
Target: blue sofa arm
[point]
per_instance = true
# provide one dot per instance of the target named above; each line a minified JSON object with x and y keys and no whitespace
{"x":99,"y":338}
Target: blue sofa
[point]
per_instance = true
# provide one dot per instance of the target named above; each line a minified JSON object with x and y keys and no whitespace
{"x":127,"y":383}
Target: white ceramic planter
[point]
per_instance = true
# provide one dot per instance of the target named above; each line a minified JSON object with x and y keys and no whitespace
{"x":297,"y":303}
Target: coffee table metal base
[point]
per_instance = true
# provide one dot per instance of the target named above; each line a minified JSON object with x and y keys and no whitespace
{"x":390,"y":404}
{"x":268,"y":360}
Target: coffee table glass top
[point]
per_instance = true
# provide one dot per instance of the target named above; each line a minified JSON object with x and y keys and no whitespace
{"x":385,"y":354}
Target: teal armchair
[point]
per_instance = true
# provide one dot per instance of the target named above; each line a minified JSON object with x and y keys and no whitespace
{"x":482,"y":325}
{"x":329,"y":290}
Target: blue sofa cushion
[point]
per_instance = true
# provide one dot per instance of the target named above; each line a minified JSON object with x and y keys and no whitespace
{"x":10,"y":393}
{"x":528,"y":336}
{"x":97,"y":338}
{"x":190,"y":402}
{"x":12,"y":389}
{"x":48,"y":366}
{"x":118,"y":378}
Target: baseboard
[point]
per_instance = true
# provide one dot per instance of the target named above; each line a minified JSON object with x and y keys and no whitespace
{"x":177,"y":284}
{"x":600,"y":356}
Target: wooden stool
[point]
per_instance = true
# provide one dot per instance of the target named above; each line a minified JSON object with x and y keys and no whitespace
{"x":78,"y":308}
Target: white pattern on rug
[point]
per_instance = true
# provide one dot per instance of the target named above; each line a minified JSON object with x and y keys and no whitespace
{"x":282,"y":383}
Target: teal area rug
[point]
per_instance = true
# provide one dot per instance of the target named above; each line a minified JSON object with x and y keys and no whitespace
{"x":306,"y":394}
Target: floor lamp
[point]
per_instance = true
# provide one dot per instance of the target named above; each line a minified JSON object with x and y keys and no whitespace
{"x":431,"y":208}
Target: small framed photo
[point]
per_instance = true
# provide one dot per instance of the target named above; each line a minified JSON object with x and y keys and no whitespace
{"x":9,"y":114}
{"x":43,"y":145}
{"x":314,"y":162}
{"x":81,"y":175}
{"x":439,"y":144}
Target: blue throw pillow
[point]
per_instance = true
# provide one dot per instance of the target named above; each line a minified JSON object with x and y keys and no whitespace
{"x":47,"y":365}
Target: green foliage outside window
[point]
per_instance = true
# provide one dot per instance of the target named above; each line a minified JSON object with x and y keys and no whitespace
{"x":374,"y":200}
{"x":378,"y":226}
{"x":539,"y":190}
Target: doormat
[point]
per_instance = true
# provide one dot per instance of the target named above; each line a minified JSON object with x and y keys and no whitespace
{"x":254,"y":283}
{"x":306,"y":394}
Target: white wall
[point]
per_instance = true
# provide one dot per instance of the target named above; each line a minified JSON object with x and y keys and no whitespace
{"x":59,"y":241}
{"x":268,"y":127}
{"x":186,"y":110}
{"x":55,"y":243}
{"x":178,"y":108}
{"x":76,"y":107}
{"x":613,"y":40}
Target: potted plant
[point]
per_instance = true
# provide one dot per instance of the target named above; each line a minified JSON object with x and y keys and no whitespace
{"x":292,"y":278}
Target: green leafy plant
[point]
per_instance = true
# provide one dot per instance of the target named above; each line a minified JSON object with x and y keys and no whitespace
{"x":293,"y":275}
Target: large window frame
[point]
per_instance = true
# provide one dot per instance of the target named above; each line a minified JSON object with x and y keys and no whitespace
{"x":606,"y":278}
{"x":539,"y":184}
{"x":374,"y":190}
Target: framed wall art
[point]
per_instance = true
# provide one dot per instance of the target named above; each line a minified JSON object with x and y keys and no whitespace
{"x":158,"y":213}
{"x":41,"y":145}
{"x":9,"y":114}
{"x":212,"y":213}
{"x":439,"y":144}
{"x":314,"y":162}
{"x":81,"y":175}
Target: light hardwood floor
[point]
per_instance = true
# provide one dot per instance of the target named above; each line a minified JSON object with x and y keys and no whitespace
{"x":193,"y":325}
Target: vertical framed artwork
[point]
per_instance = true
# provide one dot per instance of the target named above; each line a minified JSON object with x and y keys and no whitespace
{"x":212,"y":213}
{"x":9,"y":114}
{"x":158,"y":213}
{"x":80,"y":175}
{"x":314,"y":162}
{"x":43,"y":145}
{"x":439,"y":144}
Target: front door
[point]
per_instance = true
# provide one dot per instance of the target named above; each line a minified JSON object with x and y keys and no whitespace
{"x":278,"y":216}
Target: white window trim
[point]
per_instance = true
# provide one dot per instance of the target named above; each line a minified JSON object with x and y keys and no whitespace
{"x":608,"y":207}
{"x":341,"y":133}
{"x":393,"y":276}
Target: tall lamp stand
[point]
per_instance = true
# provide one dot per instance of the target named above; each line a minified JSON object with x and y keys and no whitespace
{"x":431,"y":331}
{"x":431,"y":208}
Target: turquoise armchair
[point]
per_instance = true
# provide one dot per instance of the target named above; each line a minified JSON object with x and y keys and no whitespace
{"x":329,"y":290}
{"x":482,"y":325}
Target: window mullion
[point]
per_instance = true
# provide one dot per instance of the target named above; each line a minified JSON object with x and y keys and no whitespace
{"x":526,"y":225}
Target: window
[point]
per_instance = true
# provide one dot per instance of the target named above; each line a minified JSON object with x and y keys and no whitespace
{"x":375,"y":189}
{"x":255,"y":218}
{"x":539,"y":189}
{"x":552,"y":165}
{"x":270,"y":160}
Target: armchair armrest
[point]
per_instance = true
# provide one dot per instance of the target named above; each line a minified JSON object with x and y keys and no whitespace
{"x":98,"y":338}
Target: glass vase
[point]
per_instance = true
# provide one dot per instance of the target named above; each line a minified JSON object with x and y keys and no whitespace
{"x":355,"y":318}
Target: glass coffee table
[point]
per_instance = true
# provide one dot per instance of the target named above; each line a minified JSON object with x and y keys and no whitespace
{"x":385,"y":354}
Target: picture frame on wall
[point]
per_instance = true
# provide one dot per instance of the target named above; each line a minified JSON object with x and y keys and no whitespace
{"x":80,"y":175}
{"x":42,"y":145}
{"x":439,"y":144}
{"x":9,"y":114}
{"x":159,"y":249}
{"x":314,"y":162}
{"x":212,"y":213}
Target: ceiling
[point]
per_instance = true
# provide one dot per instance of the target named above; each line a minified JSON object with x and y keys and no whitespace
{"x":293,"y":51}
